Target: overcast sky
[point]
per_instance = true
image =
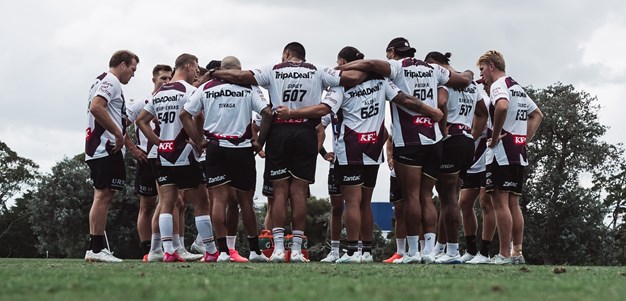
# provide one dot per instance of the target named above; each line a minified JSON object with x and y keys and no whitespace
{"x":53,"y":50}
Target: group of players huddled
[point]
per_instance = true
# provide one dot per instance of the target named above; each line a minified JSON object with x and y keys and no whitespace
{"x":197,"y":142}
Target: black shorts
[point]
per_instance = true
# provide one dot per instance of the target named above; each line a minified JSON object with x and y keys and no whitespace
{"x":474,"y":180}
{"x":235,"y":166}
{"x":428,"y":157}
{"x":145,"y":178}
{"x":184,"y":177}
{"x":108,"y":172}
{"x":333,"y":187}
{"x":268,"y":189}
{"x":395,"y":193}
{"x":505,"y":178}
{"x":203,"y":168}
{"x":291,"y":151}
{"x":457,"y":155}
{"x":365,"y":175}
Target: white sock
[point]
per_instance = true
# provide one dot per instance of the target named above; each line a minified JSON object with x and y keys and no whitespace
{"x":439,"y":247}
{"x":422,"y":245}
{"x":430,"y":242}
{"x":182,"y":241}
{"x":401,"y":246}
{"x":166,"y":224}
{"x":297,"y":240}
{"x":155,"y":243}
{"x":205,"y":231}
{"x":412,"y":240}
{"x":279,"y":239}
{"x":334,"y":244}
{"x":453,"y":249}
{"x":176,"y":241}
{"x":230,"y":242}
{"x":198,"y":240}
{"x":359,"y":247}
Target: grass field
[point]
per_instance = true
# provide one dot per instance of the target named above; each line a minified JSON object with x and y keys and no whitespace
{"x":70,"y":279}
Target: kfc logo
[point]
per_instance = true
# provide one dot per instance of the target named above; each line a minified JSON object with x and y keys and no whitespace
{"x":423,"y":120}
{"x":367,"y":138}
{"x":519,"y":139}
{"x":166,"y":146}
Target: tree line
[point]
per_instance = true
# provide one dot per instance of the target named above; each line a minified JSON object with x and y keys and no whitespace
{"x":567,"y":222}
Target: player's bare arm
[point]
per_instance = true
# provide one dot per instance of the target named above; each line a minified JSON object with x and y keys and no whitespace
{"x":143,"y":122}
{"x":417,"y":105}
{"x":389,"y":151}
{"x":98,"y":109}
{"x":266,"y":123}
{"x":308,"y":112}
{"x":534,"y":120}
{"x":135,"y":151}
{"x":442,"y":104}
{"x":480,"y":119}
{"x":243,"y":77}
{"x":460,"y":80}
{"x":190,"y":127}
{"x":352,"y":78}
{"x":502,"y":107}
{"x":379,"y":67}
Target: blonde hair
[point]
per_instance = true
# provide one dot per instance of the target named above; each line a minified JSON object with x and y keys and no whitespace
{"x":494,"y":57}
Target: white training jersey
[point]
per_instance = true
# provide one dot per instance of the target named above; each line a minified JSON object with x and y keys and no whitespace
{"x":461,"y":107}
{"x":228,"y":108}
{"x":133,"y":112}
{"x":421,"y":80}
{"x":166,"y":103}
{"x":361,"y":114}
{"x":296,"y":85}
{"x":99,"y":142}
{"x":511,"y":150}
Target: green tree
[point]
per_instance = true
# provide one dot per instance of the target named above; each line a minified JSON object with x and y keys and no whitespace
{"x":16,"y":174}
{"x":60,"y":206}
{"x":564,"y":221}
{"x":17,"y":239}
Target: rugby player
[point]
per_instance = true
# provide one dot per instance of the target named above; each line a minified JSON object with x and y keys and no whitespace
{"x":105,"y":139}
{"x":515,"y":119}
{"x":473,"y":187}
{"x":464,"y":108}
{"x":334,"y":190}
{"x":177,"y":165}
{"x":145,"y":179}
{"x":230,"y":149}
{"x":395,"y":197}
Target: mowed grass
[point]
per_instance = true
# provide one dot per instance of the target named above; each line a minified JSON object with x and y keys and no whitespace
{"x":72,"y":279}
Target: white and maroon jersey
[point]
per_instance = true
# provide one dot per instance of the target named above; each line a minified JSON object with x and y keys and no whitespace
{"x":133,"y":112}
{"x":296,"y":85}
{"x":228,"y":107}
{"x":511,"y":150}
{"x":480,"y":148}
{"x":99,"y":142}
{"x":417,"y":78}
{"x":362,"y":132}
{"x":165,"y":105}
{"x":461,"y":107}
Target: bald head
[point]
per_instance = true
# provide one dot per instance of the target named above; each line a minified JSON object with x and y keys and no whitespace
{"x":231,"y":62}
